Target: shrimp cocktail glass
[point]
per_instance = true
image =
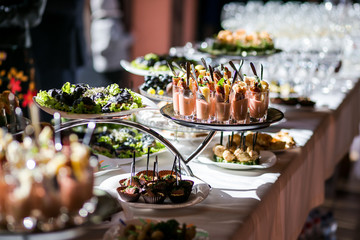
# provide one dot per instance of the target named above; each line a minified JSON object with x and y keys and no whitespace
{"x":187,"y":100}
{"x":239,"y":102}
{"x":258,"y":94}
{"x":222,"y":101}
{"x":205,"y":110}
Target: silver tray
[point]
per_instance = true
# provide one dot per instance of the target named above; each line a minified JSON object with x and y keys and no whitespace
{"x":274,"y":115}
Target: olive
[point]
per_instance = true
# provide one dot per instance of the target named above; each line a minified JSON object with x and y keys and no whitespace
{"x":157,"y":235}
{"x":142,"y":236}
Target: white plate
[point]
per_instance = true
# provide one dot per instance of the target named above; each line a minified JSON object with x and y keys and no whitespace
{"x":199,"y":192}
{"x":141,"y":72}
{"x":267,"y":159}
{"x":147,"y":103}
{"x":115,"y":231}
{"x":155,"y":97}
{"x":108,"y":163}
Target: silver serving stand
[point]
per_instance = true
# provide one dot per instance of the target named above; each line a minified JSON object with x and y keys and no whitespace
{"x":167,"y":111}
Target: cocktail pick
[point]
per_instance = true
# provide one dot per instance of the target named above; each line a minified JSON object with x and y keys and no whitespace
{"x":197,"y":84}
{"x":176,"y":174}
{"x":243,"y":140}
{"x":234,"y":79}
{"x":238,"y":73}
{"x":178,"y":66}
{"x":57,"y":121}
{"x":229,"y":141}
{"x":204,"y":63}
{"x":253,"y":69}
{"x":254,"y":139}
{"x":89,"y":132}
{"x":147,"y":162}
{"x":212,"y":74}
{"x":132,"y":169}
{"x":232,"y":138}
{"x":157,"y":166}
{"x":172,"y":69}
{"x":173,"y":166}
{"x":154,"y":169}
{"x":188,"y":72}
{"x":221,"y":137}
{"x":261,"y":71}
{"x":179,"y":167}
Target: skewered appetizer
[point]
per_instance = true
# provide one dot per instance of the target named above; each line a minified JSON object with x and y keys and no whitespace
{"x":121,"y":142}
{"x":80,"y":98}
{"x":240,"y":43}
{"x":37,"y":181}
{"x":258,"y":97}
{"x":235,"y":152}
{"x":155,"y":62}
{"x":155,"y":188}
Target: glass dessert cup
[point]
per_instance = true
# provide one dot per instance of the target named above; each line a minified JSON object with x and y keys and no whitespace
{"x":222,"y":110}
{"x":41,"y":204}
{"x":175,"y":96}
{"x":187,"y":101}
{"x":239,"y":107}
{"x":258,"y":105}
{"x":205,"y":109}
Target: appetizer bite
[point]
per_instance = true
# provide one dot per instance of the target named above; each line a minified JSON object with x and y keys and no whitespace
{"x":278,"y":141}
{"x":236,"y":152}
{"x":155,"y":186}
{"x":80,"y":98}
{"x":258,"y":92}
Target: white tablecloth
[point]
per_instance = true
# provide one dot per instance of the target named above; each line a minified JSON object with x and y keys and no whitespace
{"x":270,"y":203}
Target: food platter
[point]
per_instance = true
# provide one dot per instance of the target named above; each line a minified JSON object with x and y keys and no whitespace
{"x":267,"y":160}
{"x":141,"y":72}
{"x":273,"y":116}
{"x":114,"y":231}
{"x":147,"y":103}
{"x":200,"y":192}
{"x":155,"y":97}
{"x":203,"y":47}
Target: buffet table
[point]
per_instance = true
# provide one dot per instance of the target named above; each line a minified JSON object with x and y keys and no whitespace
{"x":268,"y":203}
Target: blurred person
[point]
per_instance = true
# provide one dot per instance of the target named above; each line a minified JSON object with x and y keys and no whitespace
{"x":16,"y":63}
{"x":109,"y":42}
{"x":59,"y":43}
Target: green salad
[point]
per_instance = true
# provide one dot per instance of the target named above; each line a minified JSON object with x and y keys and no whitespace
{"x":120,"y":142}
{"x":80,"y":98}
